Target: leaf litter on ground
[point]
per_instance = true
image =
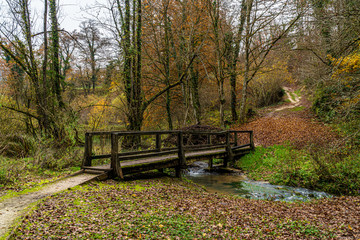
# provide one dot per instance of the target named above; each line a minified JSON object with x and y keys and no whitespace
{"x":168,"y":208}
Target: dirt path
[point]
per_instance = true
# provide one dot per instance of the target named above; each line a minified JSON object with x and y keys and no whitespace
{"x":291,"y":122}
{"x":12,"y":208}
{"x":292,"y":97}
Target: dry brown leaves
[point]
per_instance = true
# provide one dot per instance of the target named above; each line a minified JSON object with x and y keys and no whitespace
{"x":147,"y":209}
{"x":289,"y":129}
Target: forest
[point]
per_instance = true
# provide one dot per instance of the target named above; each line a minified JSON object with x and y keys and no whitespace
{"x":286,"y":69}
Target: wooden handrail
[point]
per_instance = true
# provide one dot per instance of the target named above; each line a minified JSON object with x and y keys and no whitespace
{"x":231,"y":143}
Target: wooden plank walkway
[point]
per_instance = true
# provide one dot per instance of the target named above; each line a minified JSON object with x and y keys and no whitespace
{"x":225,"y":147}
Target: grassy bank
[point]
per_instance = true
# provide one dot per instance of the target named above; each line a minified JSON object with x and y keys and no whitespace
{"x":332,"y":172}
{"x":24,"y":173}
{"x":167,"y":208}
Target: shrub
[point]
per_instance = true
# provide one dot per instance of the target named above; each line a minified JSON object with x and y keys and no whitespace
{"x":265,"y":93}
{"x":16,"y":145}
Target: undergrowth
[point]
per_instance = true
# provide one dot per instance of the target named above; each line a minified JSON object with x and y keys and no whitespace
{"x":28,"y":163}
{"x":336,"y":172}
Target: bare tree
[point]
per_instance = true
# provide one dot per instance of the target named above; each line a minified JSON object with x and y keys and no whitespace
{"x":17,"y":41}
{"x":91,"y":46}
{"x":261,"y":34}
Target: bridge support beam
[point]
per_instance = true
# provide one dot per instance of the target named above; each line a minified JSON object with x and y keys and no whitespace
{"x":181,"y":155}
{"x":178,"y":172}
{"x":210,"y":163}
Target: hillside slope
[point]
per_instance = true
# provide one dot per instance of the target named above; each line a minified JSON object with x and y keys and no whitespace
{"x":291,"y":122}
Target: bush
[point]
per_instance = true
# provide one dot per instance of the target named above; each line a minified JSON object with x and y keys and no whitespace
{"x":24,"y":157}
{"x":16,"y":145}
{"x":266,"y":93}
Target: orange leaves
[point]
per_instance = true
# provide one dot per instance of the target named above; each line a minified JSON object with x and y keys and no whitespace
{"x":299,"y":131}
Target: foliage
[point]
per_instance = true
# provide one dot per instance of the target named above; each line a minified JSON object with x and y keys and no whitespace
{"x":329,"y":171}
{"x":23,"y":174}
{"x":339,"y":100}
{"x":266,"y":88}
{"x":28,"y":159}
{"x":15,"y":145}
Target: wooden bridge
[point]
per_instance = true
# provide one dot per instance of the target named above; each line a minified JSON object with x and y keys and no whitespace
{"x":121,"y":153}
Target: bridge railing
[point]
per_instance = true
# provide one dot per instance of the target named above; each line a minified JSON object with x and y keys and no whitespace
{"x":141,"y":144}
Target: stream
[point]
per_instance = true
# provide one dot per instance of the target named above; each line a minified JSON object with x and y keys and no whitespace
{"x":236,"y":183}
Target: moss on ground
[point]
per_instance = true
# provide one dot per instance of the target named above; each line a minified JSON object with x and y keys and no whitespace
{"x":167,"y":208}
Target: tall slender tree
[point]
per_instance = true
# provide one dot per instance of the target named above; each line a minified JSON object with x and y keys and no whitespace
{"x":19,"y":44}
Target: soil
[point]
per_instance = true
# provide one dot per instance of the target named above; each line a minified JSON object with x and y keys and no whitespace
{"x":12,"y":208}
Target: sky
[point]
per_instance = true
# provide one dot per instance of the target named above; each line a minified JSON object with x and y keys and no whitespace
{"x":71,"y":11}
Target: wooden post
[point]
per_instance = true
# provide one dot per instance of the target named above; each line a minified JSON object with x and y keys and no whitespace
{"x":210,"y":163}
{"x":252,"y":145}
{"x":158,"y":142}
{"x":115,"y":162}
{"x":88,"y":150}
{"x":209,"y":139}
{"x":229,"y":157}
{"x":158,"y":148}
{"x":236,"y":139}
{"x":181,"y":154}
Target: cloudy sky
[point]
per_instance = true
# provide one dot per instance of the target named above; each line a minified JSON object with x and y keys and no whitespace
{"x":72,"y":12}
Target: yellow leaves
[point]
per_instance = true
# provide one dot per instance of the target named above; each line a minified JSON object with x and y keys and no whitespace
{"x":278,"y":69}
{"x":98,"y":114}
{"x":346,"y":65}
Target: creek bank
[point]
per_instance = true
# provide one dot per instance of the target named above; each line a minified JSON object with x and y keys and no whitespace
{"x":234,"y":182}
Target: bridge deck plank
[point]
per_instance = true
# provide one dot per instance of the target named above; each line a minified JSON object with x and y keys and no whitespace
{"x":164,"y":159}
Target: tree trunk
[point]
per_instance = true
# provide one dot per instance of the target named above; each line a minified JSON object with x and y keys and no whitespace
{"x":56,"y":77}
{"x":233,"y":62}
{"x":195,"y":99}
{"x":247,"y":61}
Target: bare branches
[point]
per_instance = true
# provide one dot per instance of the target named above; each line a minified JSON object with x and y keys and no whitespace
{"x":153,"y":98}
{"x":20,"y":111}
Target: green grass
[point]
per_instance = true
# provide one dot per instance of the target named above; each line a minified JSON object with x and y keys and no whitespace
{"x":325,"y":171}
{"x":293,"y":97}
{"x":23,"y":175}
{"x":298,"y":92}
{"x":297,"y":109}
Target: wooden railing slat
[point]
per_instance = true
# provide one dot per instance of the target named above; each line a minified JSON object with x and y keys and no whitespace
{"x":231,"y":144}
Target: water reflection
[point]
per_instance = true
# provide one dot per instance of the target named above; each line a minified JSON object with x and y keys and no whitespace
{"x":238,"y":184}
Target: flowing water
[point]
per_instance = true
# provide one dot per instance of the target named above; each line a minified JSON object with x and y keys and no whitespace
{"x":238,"y":184}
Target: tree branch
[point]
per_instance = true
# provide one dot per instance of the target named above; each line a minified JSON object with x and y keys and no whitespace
{"x":153,"y":98}
{"x":273,"y":44}
{"x":20,"y":111}
{"x":317,"y":55}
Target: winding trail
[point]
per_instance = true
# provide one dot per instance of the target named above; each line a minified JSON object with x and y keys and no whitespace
{"x":292,"y":97}
{"x":286,"y":123}
{"x":13,"y":208}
